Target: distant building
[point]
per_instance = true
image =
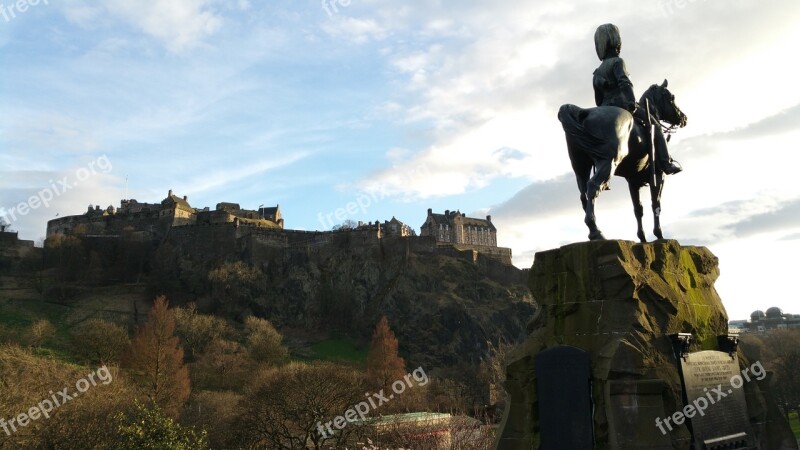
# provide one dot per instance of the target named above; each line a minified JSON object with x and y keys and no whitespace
{"x":153,"y":220}
{"x":465,"y":233}
{"x":763,"y":322}
{"x":392,"y":227}
{"x":451,"y":233}
{"x":453,"y":227}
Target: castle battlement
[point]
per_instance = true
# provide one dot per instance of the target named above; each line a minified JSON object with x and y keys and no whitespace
{"x":229,"y":225}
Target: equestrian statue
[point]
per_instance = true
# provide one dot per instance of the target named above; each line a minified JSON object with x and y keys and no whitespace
{"x":620,"y":136}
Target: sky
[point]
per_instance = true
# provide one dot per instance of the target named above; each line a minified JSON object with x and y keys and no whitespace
{"x":391,"y":108}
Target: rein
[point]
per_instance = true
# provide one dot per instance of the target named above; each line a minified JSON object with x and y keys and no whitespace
{"x":668,"y":129}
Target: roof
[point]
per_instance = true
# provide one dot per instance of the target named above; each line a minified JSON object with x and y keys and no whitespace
{"x":178,"y":202}
{"x":445,"y":219}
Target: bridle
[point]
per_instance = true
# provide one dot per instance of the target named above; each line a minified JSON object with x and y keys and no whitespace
{"x":667,"y":128}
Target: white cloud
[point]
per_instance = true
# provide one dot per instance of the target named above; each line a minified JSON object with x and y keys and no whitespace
{"x":179,"y":25}
{"x":353,"y":29}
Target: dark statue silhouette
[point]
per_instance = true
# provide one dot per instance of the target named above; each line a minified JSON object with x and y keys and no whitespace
{"x":620,"y":137}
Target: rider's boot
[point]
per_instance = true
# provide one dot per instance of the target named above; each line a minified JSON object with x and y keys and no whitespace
{"x":672,"y":167}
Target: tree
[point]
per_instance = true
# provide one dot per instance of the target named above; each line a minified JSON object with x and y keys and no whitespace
{"x":97,"y":341}
{"x":198,"y":330}
{"x":784,"y":359}
{"x":155,"y":360}
{"x":384,"y":365}
{"x":264,"y":342}
{"x":287,"y":406}
{"x":346,"y":225}
{"x":218,"y":414}
{"x":224,"y":365}
{"x":148,"y":428}
{"x":236,"y":281}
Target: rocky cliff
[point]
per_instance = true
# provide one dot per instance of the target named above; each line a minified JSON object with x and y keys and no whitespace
{"x":443,"y":305}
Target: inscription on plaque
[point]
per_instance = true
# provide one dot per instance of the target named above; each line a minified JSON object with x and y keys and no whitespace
{"x":713,"y":385}
{"x":563,"y":382}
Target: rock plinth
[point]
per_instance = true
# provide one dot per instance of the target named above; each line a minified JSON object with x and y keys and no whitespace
{"x":621,"y":301}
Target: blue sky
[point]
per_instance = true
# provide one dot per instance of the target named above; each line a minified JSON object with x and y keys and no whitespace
{"x":415,"y":104}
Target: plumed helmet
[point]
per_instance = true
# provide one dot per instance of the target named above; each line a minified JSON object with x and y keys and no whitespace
{"x":607,"y":41}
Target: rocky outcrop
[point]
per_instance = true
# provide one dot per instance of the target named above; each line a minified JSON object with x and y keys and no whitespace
{"x":620,"y":301}
{"x":443,"y":306}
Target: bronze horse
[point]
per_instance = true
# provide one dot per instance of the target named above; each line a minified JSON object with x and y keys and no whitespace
{"x":610,"y":140}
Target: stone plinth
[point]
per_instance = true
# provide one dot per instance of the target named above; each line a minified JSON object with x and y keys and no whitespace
{"x":620,"y":301}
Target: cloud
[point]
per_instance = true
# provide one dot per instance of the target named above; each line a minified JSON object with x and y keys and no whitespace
{"x":541,"y":199}
{"x":356,"y":30}
{"x":785,"y":217}
{"x":179,"y":25}
{"x":783,"y":122}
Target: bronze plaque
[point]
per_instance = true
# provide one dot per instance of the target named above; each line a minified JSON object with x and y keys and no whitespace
{"x":715,"y":403}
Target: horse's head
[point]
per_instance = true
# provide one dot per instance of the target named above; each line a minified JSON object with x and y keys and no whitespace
{"x":664,"y":103}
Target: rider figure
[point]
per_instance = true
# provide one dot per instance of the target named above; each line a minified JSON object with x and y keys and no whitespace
{"x":613,"y":87}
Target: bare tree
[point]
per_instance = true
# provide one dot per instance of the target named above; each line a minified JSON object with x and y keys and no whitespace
{"x":783,"y":348}
{"x":294,"y":407}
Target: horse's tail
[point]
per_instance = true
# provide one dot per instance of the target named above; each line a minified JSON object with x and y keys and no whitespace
{"x":571,"y":118}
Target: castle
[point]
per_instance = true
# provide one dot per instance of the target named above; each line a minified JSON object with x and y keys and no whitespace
{"x":175,"y":218}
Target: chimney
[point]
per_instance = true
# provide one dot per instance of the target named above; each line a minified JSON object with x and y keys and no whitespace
{"x":186,"y":198}
{"x":488,"y":218}
{"x":169,"y":194}
{"x":446,"y":212}
{"x":430,"y":211}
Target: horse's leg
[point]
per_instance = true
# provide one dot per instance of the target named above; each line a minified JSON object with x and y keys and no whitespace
{"x":638,"y":209}
{"x":602,"y":175}
{"x":655,"y":196}
{"x":582,"y":166}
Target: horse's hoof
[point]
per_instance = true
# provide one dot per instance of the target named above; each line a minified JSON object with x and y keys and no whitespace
{"x":658,"y":234}
{"x":596,"y":235}
{"x":642,"y":237}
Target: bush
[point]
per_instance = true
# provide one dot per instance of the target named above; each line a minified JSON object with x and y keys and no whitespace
{"x":40,"y":333}
{"x":98,"y":341}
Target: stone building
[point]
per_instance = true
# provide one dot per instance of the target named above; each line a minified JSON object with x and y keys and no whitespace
{"x":453,"y":227}
{"x":154,"y":220}
{"x":450,"y":233}
{"x":392,"y":227}
{"x":177,"y":210}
